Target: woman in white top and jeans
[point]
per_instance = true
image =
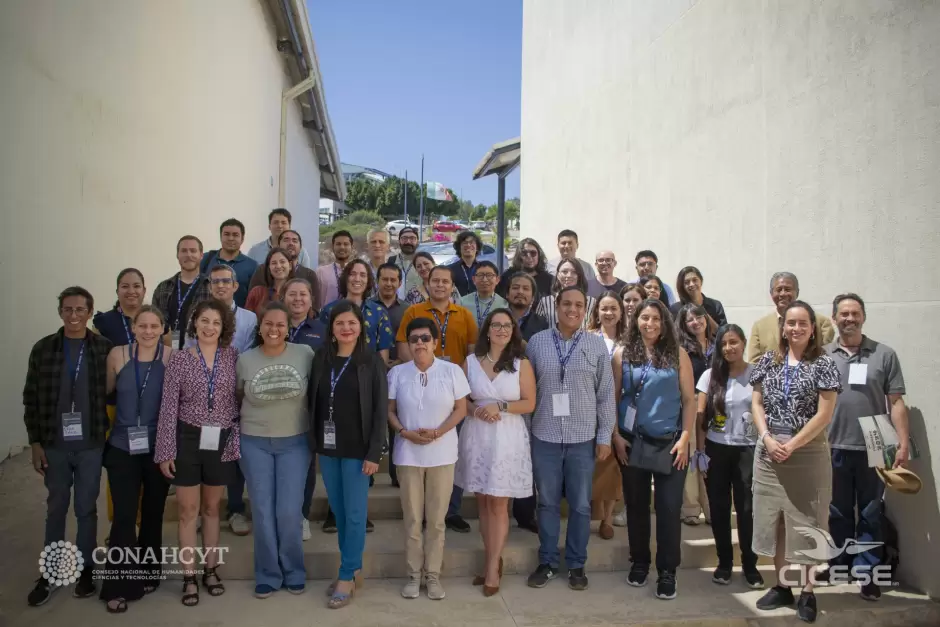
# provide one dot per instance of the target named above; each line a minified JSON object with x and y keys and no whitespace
{"x":427,"y":399}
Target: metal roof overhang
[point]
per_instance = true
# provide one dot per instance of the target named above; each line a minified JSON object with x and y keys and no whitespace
{"x":502,"y":159}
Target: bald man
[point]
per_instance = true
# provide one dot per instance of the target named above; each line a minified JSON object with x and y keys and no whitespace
{"x":605,"y":261}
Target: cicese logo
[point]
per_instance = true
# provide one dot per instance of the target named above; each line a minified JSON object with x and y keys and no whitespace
{"x":826,"y":551}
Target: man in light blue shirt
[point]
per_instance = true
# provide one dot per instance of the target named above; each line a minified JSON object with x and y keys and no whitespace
{"x":279,"y":220}
{"x":222,"y":285}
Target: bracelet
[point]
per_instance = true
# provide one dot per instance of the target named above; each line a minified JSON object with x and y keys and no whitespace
{"x":764,"y":435}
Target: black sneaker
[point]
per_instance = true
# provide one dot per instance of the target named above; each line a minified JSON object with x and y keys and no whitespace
{"x":870,"y":591}
{"x":329,"y":525}
{"x":577,"y":580}
{"x":639,"y":575}
{"x":775,"y":598}
{"x":666,"y":585}
{"x":542,"y":575}
{"x":754,"y":579}
{"x":457,"y":523}
{"x":85,"y":587}
{"x":370,"y":526}
{"x":40,"y":593}
{"x":806,"y":607}
{"x":722,"y":576}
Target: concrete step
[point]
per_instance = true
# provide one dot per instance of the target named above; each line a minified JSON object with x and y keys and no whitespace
{"x":463,"y":556}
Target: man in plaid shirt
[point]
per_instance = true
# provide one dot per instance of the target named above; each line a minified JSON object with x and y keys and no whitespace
{"x":175,"y":297}
{"x":64,"y":400}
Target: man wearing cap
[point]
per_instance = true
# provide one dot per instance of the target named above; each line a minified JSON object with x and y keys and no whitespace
{"x":872,"y":385}
{"x":407,"y":244}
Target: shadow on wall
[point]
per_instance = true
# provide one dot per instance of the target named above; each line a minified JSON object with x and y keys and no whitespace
{"x":917,"y":519}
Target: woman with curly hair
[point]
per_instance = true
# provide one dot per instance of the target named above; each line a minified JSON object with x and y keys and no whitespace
{"x":656,"y":394}
{"x":197,"y":443}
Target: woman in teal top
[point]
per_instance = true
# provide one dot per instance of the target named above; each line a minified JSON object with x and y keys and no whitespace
{"x":656,"y":397}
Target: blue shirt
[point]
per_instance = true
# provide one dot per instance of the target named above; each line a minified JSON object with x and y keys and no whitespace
{"x":311,"y":332}
{"x":243,"y":265}
{"x":128,"y":406}
{"x":378,"y":326}
{"x":659,"y":402}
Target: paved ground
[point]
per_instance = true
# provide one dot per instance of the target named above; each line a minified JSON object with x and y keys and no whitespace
{"x":608,"y":601}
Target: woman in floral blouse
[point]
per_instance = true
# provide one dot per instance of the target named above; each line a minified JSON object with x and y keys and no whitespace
{"x":196,"y":445}
{"x":795,"y":389}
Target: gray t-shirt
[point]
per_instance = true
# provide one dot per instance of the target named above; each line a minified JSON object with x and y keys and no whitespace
{"x":736,"y":427}
{"x":275,"y":391}
{"x":82,"y":399}
{"x":883,"y":377}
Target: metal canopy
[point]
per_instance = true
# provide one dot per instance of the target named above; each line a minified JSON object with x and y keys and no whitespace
{"x":501,"y":160}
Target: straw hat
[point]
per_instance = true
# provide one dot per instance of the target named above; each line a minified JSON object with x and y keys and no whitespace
{"x":901,"y":479}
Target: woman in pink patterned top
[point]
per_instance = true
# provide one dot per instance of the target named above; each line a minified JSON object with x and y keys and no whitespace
{"x":196,"y":443}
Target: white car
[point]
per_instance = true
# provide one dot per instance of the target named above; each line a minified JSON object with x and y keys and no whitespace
{"x":478,"y":225}
{"x":395,"y":226}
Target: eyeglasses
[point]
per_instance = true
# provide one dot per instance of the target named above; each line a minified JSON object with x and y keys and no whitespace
{"x":485,"y":276}
{"x":221,"y":281}
{"x":605,"y":260}
{"x":530,"y":253}
{"x":501,"y":326}
{"x":81,"y":311}
{"x":420,"y":339}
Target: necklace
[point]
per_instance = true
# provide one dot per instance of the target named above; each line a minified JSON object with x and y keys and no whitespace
{"x":490,"y":359}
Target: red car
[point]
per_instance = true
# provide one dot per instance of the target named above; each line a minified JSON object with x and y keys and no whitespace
{"x":447,"y":225}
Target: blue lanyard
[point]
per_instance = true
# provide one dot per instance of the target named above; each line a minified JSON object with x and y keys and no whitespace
{"x":443,"y":327}
{"x":181,"y":298}
{"x":564,"y":358}
{"x":336,"y":273}
{"x":405,"y":270}
{"x":334,"y":379}
{"x":141,"y":388}
{"x":73,"y":373}
{"x":210,"y":375}
{"x":127,"y":331}
{"x":476,"y":297}
{"x":786,"y":379}
{"x":292,"y":333}
{"x":643,"y":375}
{"x":468,"y":277}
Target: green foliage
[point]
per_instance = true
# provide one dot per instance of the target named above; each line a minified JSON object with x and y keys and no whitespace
{"x":369,"y":218}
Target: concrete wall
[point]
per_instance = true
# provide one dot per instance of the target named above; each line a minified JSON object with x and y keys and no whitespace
{"x":124,"y":125}
{"x":746,"y":138}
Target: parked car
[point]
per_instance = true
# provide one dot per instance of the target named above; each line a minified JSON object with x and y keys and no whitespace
{"x":443,"y":253}
{"x":478,"y":225}
{"x":395,"y":226}
{"x":447,"y":226}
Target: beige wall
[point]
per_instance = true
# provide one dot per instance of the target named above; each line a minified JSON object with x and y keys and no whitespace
{"x":746,"y":138}
{"x":126,"y":123}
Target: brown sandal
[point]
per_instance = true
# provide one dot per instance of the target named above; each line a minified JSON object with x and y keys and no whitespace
{"x":480,"y":580}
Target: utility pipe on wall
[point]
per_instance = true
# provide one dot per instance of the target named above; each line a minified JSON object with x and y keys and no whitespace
{"x":287,"y":97}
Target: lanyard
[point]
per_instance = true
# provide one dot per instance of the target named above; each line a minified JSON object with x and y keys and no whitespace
{"x":786,"y":378}
{"x":127,"y":331}
{"x":480,"y":317}
{"x":442,"y":327}
{"x":141,"y":388}
{"x":73,"y":374}
{"x":564,"y":358}
{"x":292,"y":333}
{"x":181,"y":298}
{"x":334,"y":379}
{"x":407,"y":270}
{"x":468,"y":277}
{"x":210,"y":375}
{"x":336,"y":273}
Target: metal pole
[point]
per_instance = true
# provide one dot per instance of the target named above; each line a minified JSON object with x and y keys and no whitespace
{"x":500,"y":222}
{"x":406,"y":196}
{"x":421,"y":210}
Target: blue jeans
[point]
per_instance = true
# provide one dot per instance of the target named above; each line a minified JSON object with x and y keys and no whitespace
{"x":81,"y":470}
{"x":310,"y":484}
{"x":347,"y":490}
{"x":855,"y":486}
{"x":275,"y":469}
{"x":568,"y":468}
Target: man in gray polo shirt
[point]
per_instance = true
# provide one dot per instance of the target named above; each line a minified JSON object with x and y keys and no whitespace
{"x":872,"y":384}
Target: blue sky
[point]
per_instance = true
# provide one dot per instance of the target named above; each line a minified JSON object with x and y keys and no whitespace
{"x":442,"y":77}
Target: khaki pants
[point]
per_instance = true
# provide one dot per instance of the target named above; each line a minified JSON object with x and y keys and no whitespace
{"x":425,"y":494}
{"x":694,"y":496}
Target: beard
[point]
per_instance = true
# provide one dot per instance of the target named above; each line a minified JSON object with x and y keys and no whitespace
{"x":408,"y":249}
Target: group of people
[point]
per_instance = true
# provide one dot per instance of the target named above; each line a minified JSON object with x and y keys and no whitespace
{"x":550,"y":381}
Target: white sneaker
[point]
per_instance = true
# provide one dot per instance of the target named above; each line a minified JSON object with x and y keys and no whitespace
{"x":239,"y":524}
{"x":306,"y":529}
{"x":411,"y":589}
{"x":435,"y":589}
{"x":620,"y":520}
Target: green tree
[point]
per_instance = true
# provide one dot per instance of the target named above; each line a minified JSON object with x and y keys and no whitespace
{"x":361,"y":194}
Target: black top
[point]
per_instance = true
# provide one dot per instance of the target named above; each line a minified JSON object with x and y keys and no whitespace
{"x":596,"y":288}
{"x":543,"y":281}
{"x":532,"y":324}
{"x":699,"y":366}
{"x":713,"y":307}
{"x":346,"y":413}
{"x":463,"y":276}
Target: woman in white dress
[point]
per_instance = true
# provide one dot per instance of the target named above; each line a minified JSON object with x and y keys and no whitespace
{"x":495,"y":461}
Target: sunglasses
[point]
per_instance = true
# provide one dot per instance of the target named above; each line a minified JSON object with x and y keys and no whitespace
{"x":420,"y":339}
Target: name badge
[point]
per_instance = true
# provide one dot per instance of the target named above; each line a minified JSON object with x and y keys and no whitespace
{"x":72,"y":426}
{"x":176,"y":335}
{"x":630,"y":419}
{"x":138,"y":440}
{"x":209,"y":438}
{"x":561,"y":405}
{"x":329,"y":435}
{"x":858,"y":374}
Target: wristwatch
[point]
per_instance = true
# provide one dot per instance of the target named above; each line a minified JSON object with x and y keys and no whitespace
{"x":503,"y":405}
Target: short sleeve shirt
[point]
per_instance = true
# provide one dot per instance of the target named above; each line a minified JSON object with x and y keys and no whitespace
{"x":424,"y":401}
{"x":453,"y":343}
{"x":788,"y":414}
{"x":734,"y":426}
{"x":378,"y":327}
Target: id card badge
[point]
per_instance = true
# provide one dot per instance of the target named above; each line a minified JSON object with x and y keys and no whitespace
{"x":858,"y":374}
{"x":561,"y":405}
{"x":329,"y":435}
{"x":176,"y":335}
{"x":138,"y":440}
{"x":209,"y":438}
{"x":72,"y":426}
{"x":630,"y":419}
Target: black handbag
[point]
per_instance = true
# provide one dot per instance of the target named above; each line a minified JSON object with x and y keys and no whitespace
{"x":652,"y":454}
